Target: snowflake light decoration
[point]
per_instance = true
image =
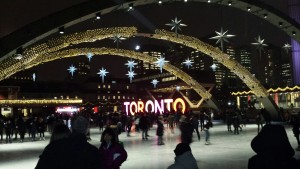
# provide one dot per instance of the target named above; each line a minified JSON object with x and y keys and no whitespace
{"x":130,"y":64}
{"x":72,"y":69}
{"x":102,"y":72}
{"x":175,"y":24}
{"x":260,"y":44}
{"x":117,"y":39}
{"x":160,"y":63}
{"x":188,"y":63}
{"x":287,"y":47}
{"x":154,"y":82}
{"x":222,"y":37}
{"x":33,"y":77}
{"x":131,"y":74}
{"x":178,"y":88}
{"x":89,"y":56}
{"x":213,"y":67}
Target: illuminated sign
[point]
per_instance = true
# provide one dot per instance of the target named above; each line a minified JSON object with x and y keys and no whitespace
{"x":156,"y":106}
{"x":67,"y":109}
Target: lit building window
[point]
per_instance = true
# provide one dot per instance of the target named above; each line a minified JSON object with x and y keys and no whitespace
{"x":114,"y":97}
{"x":108,"y":86}
{"x":98,"y":97}
{"x":103,"y":97}
{"x":99,"y":86}
{"x":123,"y":97}
{"x":119,"y":97}
{"x":118,"y":92}
{"x":76,"y":97}
{"x":104,"y":86}
{"x":127,"y":87}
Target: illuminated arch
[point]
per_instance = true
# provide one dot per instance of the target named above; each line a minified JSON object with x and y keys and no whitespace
{"x":131,"y":54}
{"x":87,"y":10}
{"x":12,"y":66}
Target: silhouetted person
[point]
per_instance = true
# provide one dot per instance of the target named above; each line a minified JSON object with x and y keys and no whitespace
{"x":186,"y":129}
{"x":60,"y":131}
{"x":184,"y":158}
{"x":295,"y":122}
{"x":273,"y":150}
{"x":73,"y":152}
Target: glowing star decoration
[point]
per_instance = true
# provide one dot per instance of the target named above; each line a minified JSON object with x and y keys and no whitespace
{"x":177,"y":88}
{"x":222,"y":37}
{"x":89,"y":56}
{"x":287,"y":47}
{"x":33,"y":77}
{"x":154,"y":82}
{"x":160,"y":63}
{"x":118,"y":39}
{"x":176,"y":25}
{"x":131,"y":74}
{"x":188,"y":63}
{"x":260,"y":44}
{"x":213,"y":67}
{"x":72,"y":69}
{"x":130,"y":64}
{"x":102,"y":72}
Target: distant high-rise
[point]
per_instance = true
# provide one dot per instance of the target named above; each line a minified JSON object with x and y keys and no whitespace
{"x":294,"y":11}
{"x":286,"y":74}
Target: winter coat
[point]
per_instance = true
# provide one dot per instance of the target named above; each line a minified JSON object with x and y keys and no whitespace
{"x":184,"y":161}
{"x":273,"y":150}
{"x":160,"y":128}
{"x":70,"y":153}
{"x":113,"y":156}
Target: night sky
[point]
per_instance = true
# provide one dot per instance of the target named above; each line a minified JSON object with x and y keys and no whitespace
{"x":202,"y":20}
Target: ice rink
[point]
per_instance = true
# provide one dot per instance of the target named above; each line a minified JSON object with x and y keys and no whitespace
{"x":226,"y":151}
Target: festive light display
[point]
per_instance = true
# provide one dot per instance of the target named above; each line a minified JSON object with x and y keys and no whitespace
{"x":10,"y":65}
{"x":188,"y":63}
{"x":30,"y":56}
{"x":154,"y":82}
{"x":222,"y":37}
{"x":102,"y":72}
{"x":132,"y":54}
{"x":286,"y":89}
{"x":42,"y":102}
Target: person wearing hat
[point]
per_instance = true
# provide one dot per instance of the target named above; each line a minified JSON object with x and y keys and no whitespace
{"x":73,"y":152}
{"x":273,"y":150}
{"x":184,"y":158}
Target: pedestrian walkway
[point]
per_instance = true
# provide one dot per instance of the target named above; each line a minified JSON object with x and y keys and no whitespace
{"x":226,"y":151}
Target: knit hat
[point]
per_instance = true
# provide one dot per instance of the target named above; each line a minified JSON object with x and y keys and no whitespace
{"x":79,"y":125}
{"x":181,"y":148}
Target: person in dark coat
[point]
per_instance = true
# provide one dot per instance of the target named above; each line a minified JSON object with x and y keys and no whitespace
{"x":73,"y":152}
{"x":22,"y":127}
{"x":1,"y":129}
{"x":112,"y":153}
{"x":143,"y":125}
{"x":184,"y":158}
{"x":186,"y":129}
{"x":160,"y":131}
{"x":195,"y":122}
{"x":8,"y":130}
{"x":273,"y":150}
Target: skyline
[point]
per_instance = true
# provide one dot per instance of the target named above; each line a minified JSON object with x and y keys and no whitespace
{"x":144,"y":19}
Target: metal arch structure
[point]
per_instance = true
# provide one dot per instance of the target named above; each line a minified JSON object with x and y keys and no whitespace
{"x":44,"y":27}
{"x":30,"y":55}
{"x":206,"y":96}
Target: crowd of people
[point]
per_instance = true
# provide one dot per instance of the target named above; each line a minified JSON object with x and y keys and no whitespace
{"x":69,"y":146}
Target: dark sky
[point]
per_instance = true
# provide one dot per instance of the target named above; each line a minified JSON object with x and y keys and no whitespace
{"x":201,"y":20}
